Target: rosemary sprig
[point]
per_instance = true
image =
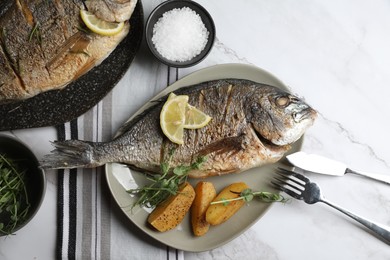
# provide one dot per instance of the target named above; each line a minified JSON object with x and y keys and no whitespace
{"x":35,"y":32}
{"x":14,"y":204}
{"x":164,"y":185}
{"x":248,"y":195}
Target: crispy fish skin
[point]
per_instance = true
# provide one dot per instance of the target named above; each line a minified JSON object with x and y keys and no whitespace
{"x":252,"y":124}
{"x":8,"y":78}
{"x":43,"y":47}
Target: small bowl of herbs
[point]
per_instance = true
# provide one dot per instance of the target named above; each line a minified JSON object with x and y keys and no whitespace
{"x":22,"y":185}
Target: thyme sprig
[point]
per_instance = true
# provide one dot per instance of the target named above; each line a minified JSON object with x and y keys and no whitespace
{"x":248,"y":195}
{"x":14,"y":204}
{"x":165,"y":184}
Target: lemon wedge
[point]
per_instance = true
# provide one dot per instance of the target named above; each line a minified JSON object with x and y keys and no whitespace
{"x":172,"y":117}
{"x":194,"y":118}
{"x":177,"y":115}
{"x":100,"y":26}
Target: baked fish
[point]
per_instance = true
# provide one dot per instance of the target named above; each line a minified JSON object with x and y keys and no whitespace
{"x":44,"y":44}
{"x":252,"y":124}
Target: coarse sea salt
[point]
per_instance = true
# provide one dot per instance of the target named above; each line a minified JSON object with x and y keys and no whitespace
{"x":180,"y":35}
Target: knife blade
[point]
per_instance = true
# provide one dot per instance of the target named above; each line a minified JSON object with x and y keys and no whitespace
{"x":322,"y":165}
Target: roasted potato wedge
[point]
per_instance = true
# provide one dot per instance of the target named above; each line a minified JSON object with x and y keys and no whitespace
{"x":219,"y":213}
{"x":171,"y":212}
{"x":204,"y":194}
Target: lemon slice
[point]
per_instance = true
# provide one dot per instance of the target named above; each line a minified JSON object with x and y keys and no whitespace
{"x":194,"y":118}
{"x":100,"y":26}
{"x":172,"y":117}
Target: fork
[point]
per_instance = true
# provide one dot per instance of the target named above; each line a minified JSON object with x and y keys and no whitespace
{"x":300,"y":187}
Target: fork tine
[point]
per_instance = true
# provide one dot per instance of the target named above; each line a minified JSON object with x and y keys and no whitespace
{"x":299,"y":188}
{"x":279,"y":186}
{"x":290,"y":192}
{"x":289,"y":178}
{"x":295,"y":174}
{"x":291,"y":182}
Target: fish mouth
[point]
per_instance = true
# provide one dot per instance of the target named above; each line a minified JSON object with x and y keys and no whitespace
{"x":307,"y":113}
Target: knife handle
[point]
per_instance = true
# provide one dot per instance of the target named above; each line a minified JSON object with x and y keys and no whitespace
{"x":381,"y":231}
{"x":374,"y":176}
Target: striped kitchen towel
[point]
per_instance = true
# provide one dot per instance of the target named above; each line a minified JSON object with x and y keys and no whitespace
{"x":90,"y":223}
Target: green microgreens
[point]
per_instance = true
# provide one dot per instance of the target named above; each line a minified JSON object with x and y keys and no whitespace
{"x":248,"y":195}
{"x":164,"y":185}
{"x":14,"y":204}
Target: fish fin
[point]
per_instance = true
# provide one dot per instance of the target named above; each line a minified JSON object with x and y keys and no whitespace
{"x":230,"y":145}
{"x":131,"y":123}
{"x":69,"y":154}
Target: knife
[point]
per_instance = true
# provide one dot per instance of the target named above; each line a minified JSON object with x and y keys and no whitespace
{"x":319,"y":164}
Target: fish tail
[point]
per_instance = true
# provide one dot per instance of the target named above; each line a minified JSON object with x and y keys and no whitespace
{"x":71,"y":154}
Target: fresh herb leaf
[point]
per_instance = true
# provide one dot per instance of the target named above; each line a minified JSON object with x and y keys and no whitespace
{"x":224,"y":201}
{"x":270,"y":197}
{"x":3,"y":34}
{"x":35,"y":32}
{"x":164,"y":168}
{"x":14,"y":204}
{"x":84,"y":30}
{"x":164,"y":185}
{"x":248,"y":195}
{"x":181,"y":170}
{"x":81,"y":52}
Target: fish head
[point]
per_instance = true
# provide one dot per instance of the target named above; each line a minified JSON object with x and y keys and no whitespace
{"x":280,"y":117}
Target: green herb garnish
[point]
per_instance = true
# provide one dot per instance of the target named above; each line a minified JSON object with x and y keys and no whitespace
{"x":3,"y":34}
{"x":248,"y":195}
{"x":81,"y":29}
{"x":164,"y":185}
{"x":14,"y":204}
{"x":35,"y":32}
{"x":80,"y":52}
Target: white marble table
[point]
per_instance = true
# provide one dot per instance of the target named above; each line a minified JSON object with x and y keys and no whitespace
{"x":336,"y":55}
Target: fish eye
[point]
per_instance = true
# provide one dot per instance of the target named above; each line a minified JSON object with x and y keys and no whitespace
{"x":282,"y":101}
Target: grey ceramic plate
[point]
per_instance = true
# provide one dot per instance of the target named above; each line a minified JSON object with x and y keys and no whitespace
{"x":120,"y":177}
{"x":60,"y":106}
